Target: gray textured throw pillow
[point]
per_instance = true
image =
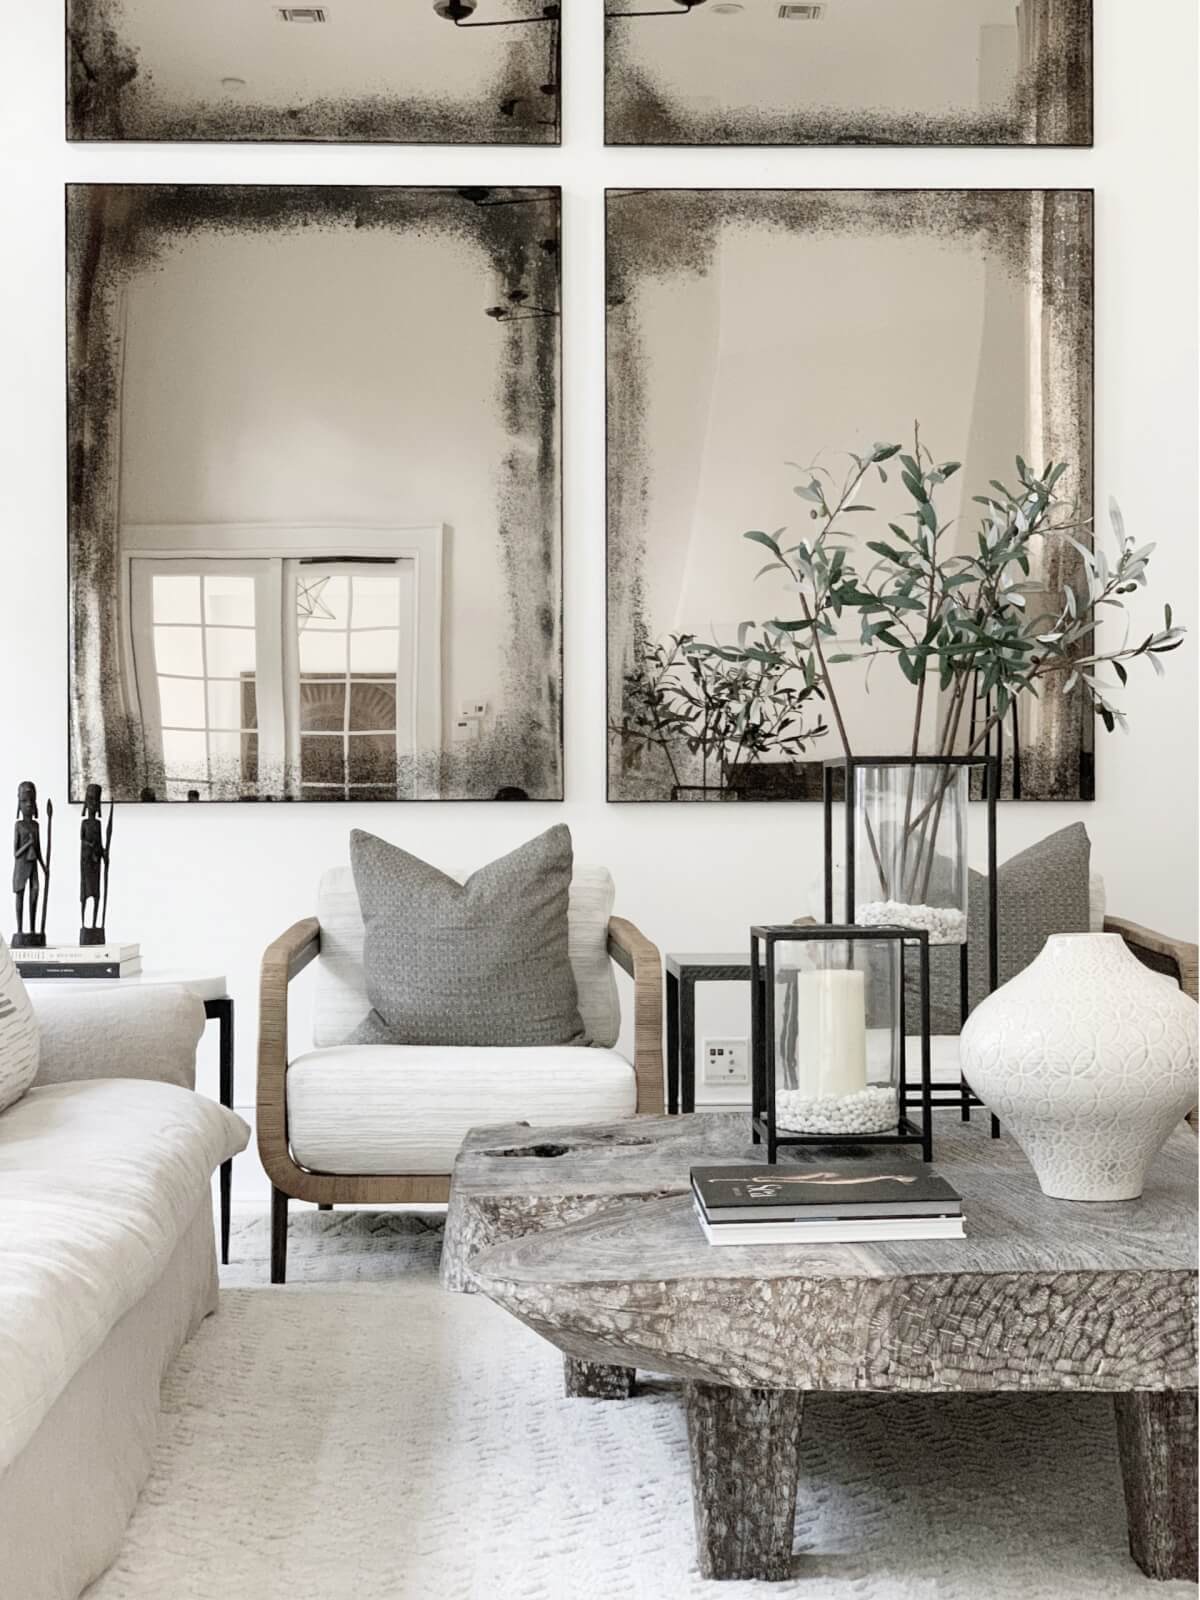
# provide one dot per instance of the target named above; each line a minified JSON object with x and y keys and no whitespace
{"x":478,"y":963}
{"x":1042,"y":891}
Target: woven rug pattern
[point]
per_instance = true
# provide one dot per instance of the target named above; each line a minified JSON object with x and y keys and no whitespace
{"x":360,"y":1435}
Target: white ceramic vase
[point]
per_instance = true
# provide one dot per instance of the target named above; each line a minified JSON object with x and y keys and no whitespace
{"x":1089,"y":1060}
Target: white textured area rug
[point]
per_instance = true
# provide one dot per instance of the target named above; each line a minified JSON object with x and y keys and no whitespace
{"x":381,"y":1440}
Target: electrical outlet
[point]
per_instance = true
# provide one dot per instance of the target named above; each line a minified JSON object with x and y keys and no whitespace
{"x":476,"y":709}
{"x":726,"y":1061}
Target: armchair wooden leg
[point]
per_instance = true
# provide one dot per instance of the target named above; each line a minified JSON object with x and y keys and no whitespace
{"x":279,"y":1223}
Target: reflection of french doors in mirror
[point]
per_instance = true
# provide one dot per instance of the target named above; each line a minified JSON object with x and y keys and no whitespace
{"x":261,"y":670}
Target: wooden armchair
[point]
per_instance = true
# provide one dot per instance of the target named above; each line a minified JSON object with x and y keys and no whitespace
{"x":1174,"y":958}
{"x":622,"y":1089}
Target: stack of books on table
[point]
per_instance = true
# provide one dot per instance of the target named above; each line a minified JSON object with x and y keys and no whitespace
{"x":80,"y":961}
{"x":866,"y":1200}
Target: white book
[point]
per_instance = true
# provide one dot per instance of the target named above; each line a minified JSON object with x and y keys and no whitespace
{"x":869,"y":1230}
{"x":78,"y":954}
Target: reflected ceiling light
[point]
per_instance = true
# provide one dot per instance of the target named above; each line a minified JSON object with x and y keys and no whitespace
{"x":459,"y":12}
{"x":683,"y":8}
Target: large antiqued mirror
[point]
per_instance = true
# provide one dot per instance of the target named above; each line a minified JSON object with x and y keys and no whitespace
{"x":315,"y":504}
{"x":387,"y":71}
{"x":758,"y":339}
{"x":908,"y":72}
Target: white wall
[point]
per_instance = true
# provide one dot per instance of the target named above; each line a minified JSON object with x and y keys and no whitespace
{"x":213,"y":885}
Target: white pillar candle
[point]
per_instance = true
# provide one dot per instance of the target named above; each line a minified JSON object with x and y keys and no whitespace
{"x":831,"y":1047}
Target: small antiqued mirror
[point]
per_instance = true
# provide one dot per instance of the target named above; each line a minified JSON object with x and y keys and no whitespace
{"x":314,"y":493}
{"x":904,"y":72}
{"x":353,"y":71}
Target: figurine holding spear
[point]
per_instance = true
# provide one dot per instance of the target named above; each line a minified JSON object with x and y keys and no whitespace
{"x":95,"y":854}
{"x":28,"y":865}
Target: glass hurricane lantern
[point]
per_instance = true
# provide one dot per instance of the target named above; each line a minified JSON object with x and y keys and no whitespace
{"x":830,"y":1039}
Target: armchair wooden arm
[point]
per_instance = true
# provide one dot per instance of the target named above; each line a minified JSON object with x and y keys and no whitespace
{"x":634,"y":954}
{"x":1176,"y":958}
{"x":283,"y":960}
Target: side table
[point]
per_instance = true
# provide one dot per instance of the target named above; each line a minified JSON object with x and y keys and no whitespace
{"x":218,"y":1008}
{"x":684,"y":972}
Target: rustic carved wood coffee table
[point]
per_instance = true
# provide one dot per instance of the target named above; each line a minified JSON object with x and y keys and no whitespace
{"x":1041,"y":1296}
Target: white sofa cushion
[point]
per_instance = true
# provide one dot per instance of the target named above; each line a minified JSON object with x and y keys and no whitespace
{"x":98,"y":1183}
{"x":341,"y":1003}
{"x":407,"y":1108}
{"x":117,"y":1030}
{"x":18,"y":1033}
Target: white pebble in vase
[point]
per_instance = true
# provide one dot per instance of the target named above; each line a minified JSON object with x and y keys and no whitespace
{"x":1089,"y":1060}
{"x":874,"y":1109}
{"x":943,"y":924}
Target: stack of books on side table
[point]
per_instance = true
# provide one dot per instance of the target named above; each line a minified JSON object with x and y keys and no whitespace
{"x":80,"y":961}
{"x":865,"y":1200}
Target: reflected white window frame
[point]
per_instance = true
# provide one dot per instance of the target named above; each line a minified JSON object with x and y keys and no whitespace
{"x":296,"y":571}
{"x":186,"y":549}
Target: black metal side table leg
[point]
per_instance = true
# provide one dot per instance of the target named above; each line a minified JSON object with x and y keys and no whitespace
{"x":687,"y":1043}
{"x":672,"y":1045}
{"x":222,"y":1011}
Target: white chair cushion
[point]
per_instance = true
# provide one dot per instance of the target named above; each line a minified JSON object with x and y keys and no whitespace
{"x":943,"y":1058}
{"x":1097,"y":903}
{"x":341,"y":1000}
{"x":400,"y":1109}
{"x":99,"y":1181}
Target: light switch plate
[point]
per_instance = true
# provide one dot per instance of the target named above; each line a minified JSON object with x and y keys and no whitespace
{"x":726,"y":1061}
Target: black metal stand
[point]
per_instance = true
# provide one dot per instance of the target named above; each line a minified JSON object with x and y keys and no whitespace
{"x":946,"y":1096}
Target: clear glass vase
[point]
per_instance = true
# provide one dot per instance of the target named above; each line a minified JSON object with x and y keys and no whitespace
{"x":838,"y":1036}
{"x":910,"y":847}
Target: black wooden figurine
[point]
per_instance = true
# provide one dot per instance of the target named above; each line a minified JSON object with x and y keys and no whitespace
{"x":95,"y":857}
{"x":30,"y":868}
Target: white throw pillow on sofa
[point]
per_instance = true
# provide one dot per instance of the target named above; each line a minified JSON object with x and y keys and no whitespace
{"x":18,"y":1033}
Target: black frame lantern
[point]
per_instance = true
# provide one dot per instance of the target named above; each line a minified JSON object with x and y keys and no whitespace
{"x":764,"y":976}
{"x":945,"y":1096}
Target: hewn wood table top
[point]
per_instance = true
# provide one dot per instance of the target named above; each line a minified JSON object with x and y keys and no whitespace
{"x":1041,"y":1294}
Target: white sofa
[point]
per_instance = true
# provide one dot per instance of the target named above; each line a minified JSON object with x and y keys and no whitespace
{"x":107,"y":1266}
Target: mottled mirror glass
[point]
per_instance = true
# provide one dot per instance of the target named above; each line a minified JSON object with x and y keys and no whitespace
{"x":755,"y":337}
{"x":315,"y":541}
{"x":366,"y":71}
{"x":908,"y":72}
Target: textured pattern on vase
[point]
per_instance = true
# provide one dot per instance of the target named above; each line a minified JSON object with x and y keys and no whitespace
{"x":1089,"y":1059}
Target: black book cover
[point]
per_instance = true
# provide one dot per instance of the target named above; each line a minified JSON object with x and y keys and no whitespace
{"x":68,"y":969}
{"x":874,"y":1186}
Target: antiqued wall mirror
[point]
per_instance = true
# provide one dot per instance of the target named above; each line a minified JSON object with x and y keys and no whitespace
{"x":905,"y":72}
{"x":315,"y":508}
{"x":350,"y":71}
{"x":757,"y":341}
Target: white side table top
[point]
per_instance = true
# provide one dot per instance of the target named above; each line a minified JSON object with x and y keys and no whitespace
{"x":201,"y":981}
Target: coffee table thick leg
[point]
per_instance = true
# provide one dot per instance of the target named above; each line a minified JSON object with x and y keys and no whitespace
{"x":1157,"y":1436}
{"x":745,"y":1450}
{"x":588,"y":1380}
